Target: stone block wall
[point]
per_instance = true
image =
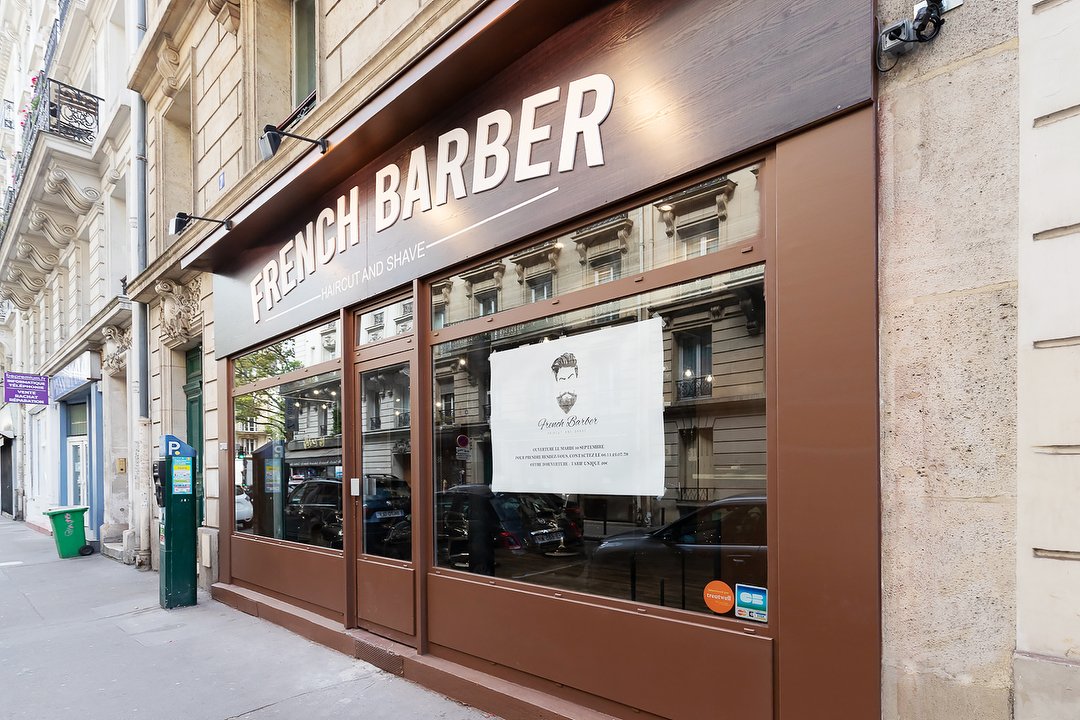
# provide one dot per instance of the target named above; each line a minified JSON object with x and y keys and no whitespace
{"x":948,"y":147}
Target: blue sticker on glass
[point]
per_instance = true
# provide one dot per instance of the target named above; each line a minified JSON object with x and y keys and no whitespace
{"x":752,"y":602}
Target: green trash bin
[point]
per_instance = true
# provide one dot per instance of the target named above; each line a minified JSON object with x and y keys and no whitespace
{"x":69,"y":531}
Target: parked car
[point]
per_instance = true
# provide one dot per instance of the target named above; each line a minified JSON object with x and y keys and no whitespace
{"x":671,"y":565}
{"x":384,"y":508}
{"x":244,"y":510}
{"x":477,"y":528}
{"x":313,"y":513}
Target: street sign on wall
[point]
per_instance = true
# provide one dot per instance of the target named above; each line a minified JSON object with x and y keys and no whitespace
{"x":26,"y":389}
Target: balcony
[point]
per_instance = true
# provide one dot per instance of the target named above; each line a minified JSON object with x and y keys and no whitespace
{"x":694,"y":387}
{"x":57,"y":109}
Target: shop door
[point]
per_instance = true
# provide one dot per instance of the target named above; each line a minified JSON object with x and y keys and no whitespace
{"x":194,"y":398}
{"x":76,"y":470}
{"x":7,"y":480}
{"x":383,"y":502}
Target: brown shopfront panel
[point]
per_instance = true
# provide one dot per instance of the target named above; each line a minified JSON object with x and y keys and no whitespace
{"x":533,"y":621}
{"x":385,"y":578}
{"x":726,"y":199}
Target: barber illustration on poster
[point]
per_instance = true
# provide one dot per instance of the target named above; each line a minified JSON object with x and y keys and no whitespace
{"x":565,"y":370}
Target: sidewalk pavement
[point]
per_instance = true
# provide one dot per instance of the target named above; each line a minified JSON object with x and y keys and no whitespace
{"x":85,"y":638}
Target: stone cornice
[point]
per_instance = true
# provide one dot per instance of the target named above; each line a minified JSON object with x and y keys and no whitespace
{"x":174,"y":19}
{"x":90,"y":337}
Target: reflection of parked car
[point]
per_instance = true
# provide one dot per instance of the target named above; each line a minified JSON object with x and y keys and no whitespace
{"x":244,"y":510}
{"x":724,"y":540}
{"x":386,"y":506}
{"x":313,"y":513}
{"x":475,"y":525}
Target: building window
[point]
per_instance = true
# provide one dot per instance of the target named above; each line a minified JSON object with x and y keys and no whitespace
{"x":304,"y":52}
{"x":292,"y":468}
{"x":538,"y":494}
{"x":444,"y":404}
{"x":694,"y":370}
{"x":538,"y":288}
{"x":698,"y":238}
{"x":699,"y":220}
{"x":606,"y":268}
{"x":487,"y":303}
{"x":77,"y":422}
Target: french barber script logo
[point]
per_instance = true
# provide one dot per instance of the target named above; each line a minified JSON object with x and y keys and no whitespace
{"x":401,"y":194}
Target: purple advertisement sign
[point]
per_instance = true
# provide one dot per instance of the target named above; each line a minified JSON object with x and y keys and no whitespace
{"x":26,"y":389}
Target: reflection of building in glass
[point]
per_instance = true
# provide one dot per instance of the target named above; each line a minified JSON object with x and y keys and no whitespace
{"x":386,"y":420}
{"x":712,"y":508}
{"x":715,"y":425}
{"x":700,"y":220}
{"x":288,"y":440}
{"x":713,"y":342}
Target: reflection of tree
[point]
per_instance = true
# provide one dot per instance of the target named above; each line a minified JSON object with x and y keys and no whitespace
{"x":264,"y":407}
{"x":278,"y":359}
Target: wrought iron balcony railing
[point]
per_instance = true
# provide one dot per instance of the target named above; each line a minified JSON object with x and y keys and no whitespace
{"x":58,"y":109}
{"x":697,"y":387}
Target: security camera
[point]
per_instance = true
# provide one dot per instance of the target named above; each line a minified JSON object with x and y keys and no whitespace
{"x":928,"y":21}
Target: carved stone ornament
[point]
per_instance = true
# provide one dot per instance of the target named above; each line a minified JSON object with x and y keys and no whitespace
{"x":20,"y":301}
{"x":32,"y":284}
{"x":168,"y":66}
{"x":56,"y":232}
{"x":80,"y":199}
{"x":615,"y":229}
{"x":44,"y":262}
{"x":181,"y":312}
{"x":114,"y":355}
{"x":226,"y":12}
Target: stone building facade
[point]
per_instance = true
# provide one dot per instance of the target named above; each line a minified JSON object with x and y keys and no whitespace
{"x":972,"y":149}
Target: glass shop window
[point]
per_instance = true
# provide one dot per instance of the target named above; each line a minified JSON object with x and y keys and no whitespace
{"x":699,"y":220}
{"x":311,"y":347}
{"x":392,"y":320}
{"x":287,"y":437}
{"x":575,"y":456}
{"x":77,"y":419}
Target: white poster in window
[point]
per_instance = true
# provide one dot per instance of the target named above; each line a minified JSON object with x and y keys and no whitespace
{"x":581,"y":414}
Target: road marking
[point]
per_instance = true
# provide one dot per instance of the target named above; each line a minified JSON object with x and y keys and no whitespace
{"x":9,"y":564}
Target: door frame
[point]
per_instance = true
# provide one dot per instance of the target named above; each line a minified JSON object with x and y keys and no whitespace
{"x":83,"y":442}
{"x":396,"y":579}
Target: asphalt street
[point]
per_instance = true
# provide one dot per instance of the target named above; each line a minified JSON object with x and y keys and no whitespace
{"x":85,"y":638}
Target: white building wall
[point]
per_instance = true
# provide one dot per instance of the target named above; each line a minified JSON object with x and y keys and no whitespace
{"x":1047,"y":661}
{"x":41,"y":477}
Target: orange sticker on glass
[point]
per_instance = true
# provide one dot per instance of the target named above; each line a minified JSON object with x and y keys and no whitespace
{"x":719,"y":597}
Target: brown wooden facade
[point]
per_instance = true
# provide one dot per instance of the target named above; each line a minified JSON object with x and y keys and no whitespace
{"x":736,"y":94}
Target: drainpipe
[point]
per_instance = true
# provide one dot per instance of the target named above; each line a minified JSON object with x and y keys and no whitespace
{"x":139,"y":387}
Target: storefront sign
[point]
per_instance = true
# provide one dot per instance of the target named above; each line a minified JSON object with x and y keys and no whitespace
{"x":337,"y":228}
{"x":581,"y":414}
{"x":586,"y":119}
{"x":26,"y":389}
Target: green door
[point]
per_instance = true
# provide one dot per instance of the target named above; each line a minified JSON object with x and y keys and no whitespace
{"x":193,"y":393}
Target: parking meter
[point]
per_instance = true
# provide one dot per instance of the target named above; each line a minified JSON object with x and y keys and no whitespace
{"x":177,"y":534}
